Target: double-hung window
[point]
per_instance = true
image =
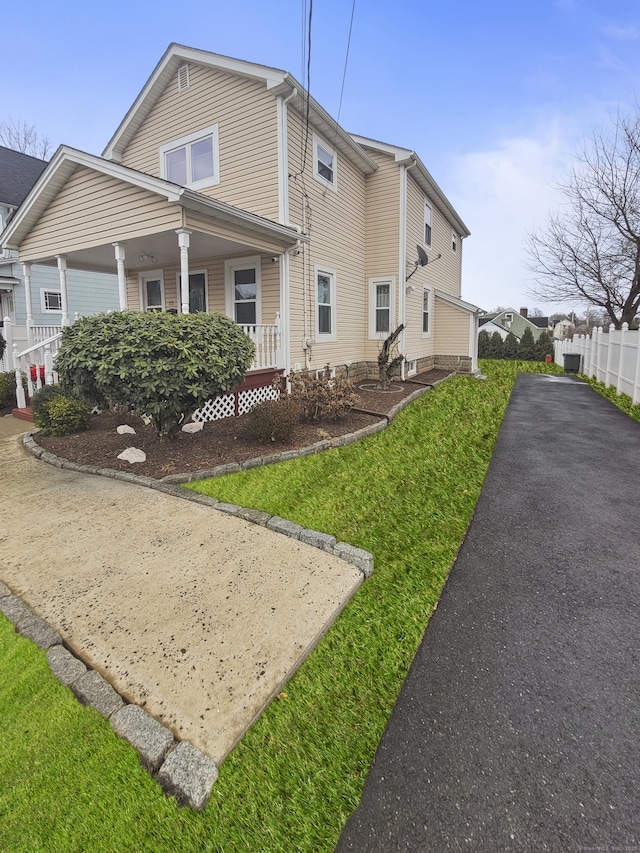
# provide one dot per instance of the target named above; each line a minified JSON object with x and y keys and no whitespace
{"x":325,"y":166}
{"x":381,"y":295}
{"x":242,"y":282}
{"x":193,"y":160}
{"x":426,"y":305}
{"x":325,"y":304}
{"x":427,"y":225}
{"x":454,"y":241}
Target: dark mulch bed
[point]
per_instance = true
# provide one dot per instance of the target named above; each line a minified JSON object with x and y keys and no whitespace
{"x":219,"y":442}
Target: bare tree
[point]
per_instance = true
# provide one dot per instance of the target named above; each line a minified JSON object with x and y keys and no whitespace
{"x":23,"y":137}
{"x":589,"y":252}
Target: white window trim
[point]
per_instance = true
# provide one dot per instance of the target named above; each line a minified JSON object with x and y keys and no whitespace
{"x":186,"y":141}
{"x":43,"y":304}
{"x":206,"y":286}
{"x":150,"y":275}
{"x":329,"y":271}
{"x":391,"y":281}
{"x":242,"y":264}
{"x":426,"y":289}
{"x":412,"y":366}
{"x":428,"y":207}
{"x":332,"y":185}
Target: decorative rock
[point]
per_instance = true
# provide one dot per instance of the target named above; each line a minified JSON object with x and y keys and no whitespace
{"x":254,"y":515}
{"x":188,"y":775}
{"x":125,"y":429}
{"x":37,"y":630}
{"x":92,"y":689}
{"x":132,"y":454}
{"x":64,"y":665}
{"x":148,"y":736}
{"x":195,"y":426}
{"x":362,"y":560}
{"x":281,"y":525}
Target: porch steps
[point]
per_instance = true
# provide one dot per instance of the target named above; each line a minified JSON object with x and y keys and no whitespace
{"x":23,"y":414}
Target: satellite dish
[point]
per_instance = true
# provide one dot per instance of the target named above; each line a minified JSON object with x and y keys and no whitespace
{"x":423,"y":260}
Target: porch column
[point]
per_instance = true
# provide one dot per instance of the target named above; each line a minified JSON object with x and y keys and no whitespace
{"x":122,"y":276}
{"x":26,"y":272}
{"x":62,"y":272}
{"x":183,"y":242}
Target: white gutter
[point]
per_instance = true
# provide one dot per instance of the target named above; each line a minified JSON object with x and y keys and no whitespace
{"x":283,"y":157}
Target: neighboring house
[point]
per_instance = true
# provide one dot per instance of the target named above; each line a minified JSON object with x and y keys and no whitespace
{"x":87,"y":293}
{"x":509,"y":320}
{"x":563,"y":329}
{"x":215,"y":194}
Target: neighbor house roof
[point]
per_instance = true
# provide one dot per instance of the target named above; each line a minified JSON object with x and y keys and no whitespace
{"x":18,"y":173}
{"x":278,"y":81}
{"x":517,"y":324}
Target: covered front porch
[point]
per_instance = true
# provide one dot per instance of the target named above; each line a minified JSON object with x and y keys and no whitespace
{"x":172,"y":249}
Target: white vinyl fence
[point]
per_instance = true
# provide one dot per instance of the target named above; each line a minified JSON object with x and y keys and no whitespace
{"x":611,"y":357}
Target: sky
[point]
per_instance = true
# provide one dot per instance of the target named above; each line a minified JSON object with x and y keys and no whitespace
{"x":495,"y":96}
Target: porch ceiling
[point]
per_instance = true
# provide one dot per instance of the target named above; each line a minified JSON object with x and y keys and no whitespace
{"x":140,"y":252}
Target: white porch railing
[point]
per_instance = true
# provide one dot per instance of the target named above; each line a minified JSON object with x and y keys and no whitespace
{"x":266,"y":339}
{"x":612,"y":358}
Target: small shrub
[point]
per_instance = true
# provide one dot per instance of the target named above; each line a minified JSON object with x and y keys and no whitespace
{"x":67,"y":415}
{"x":7,"y":389}
{"x":58,"y":413}
{"x":274,"y":421}
{"x":322,"y":398}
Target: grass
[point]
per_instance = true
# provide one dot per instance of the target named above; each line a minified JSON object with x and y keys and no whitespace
{"x":622,"y":401}
{"x":407,"y":494}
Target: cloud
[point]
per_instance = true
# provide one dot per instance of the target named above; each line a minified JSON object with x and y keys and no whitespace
{"x":502,"y":194}
{"x":630,"y":32}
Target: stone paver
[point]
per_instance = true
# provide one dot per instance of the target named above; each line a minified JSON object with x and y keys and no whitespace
{"x":188,"y":775}
{"x":92,"y":689}
{"x":148,"y":736}
{"x":64,"y":665}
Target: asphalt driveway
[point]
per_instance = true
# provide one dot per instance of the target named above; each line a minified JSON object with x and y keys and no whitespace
{"x":518,"y":727}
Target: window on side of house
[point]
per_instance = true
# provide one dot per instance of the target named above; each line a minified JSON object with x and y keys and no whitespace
{"x":427,"y":225}
{"x":426,"y":310}
{"x":381,"y":299}
{"x":454,"y":241}
{"x":51,"y":301}
{"x":242,"y":285}
{"x":192,"y":161}
{"x":325,"y":304}
{"x":152,"y":291}
{"x":325,"y":164}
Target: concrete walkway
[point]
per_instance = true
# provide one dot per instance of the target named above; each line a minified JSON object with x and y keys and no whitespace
{"x":518,"y":727}
{"x":196,"y":615}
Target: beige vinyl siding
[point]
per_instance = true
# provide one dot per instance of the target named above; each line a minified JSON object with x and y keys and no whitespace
{"x":335,"y":222}
{"x":214,"y":267}
{"x":237,"y":234}
{"x":446,"y":272}
{"x":415,"y":344}
{"x":383,"y":230}
{"x":451,"y":330}
{"x":93,"y":209}
{"x":246,"y":115}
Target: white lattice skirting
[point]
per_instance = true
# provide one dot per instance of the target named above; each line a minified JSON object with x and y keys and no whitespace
{"x":236,"y":403}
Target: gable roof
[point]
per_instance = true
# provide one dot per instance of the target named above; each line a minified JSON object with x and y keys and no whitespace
{"x":18,"y":173}
{"x":422,"y":176}
{"x":517,"y":324}
{"x":65,"y":162}
{"x":278,"y":81}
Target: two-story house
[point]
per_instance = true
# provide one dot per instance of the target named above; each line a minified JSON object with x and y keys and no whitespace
{"x":227,"y":188}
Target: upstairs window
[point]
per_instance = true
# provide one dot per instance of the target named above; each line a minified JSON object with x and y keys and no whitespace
{"x":454,"y":241}
{"x":324,"y":163}
{"x":192,"y":161}
{"x":427,"y":225}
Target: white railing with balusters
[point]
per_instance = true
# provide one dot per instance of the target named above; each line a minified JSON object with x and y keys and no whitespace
{"x":266,"y":339}
{"x":612,"y":357}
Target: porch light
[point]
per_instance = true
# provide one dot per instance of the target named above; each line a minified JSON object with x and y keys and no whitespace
{"x":147,"y":258}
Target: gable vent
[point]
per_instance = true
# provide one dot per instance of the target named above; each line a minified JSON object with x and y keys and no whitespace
{"x":183,"y":78}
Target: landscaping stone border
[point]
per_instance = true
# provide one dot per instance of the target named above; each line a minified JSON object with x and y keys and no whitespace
{"x":180,"y":769}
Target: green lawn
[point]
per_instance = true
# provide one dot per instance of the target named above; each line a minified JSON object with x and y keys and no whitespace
{"x":407,"y":494}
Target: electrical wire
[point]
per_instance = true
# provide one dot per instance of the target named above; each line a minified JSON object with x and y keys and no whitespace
{"x":344,"y":73}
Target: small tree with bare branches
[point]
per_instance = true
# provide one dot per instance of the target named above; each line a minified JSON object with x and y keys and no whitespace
{"x":24,"y":137}
{"x":590,"y":250}
{"x":388,"y":360}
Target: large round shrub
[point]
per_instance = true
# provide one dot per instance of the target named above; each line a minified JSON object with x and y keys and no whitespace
{"x":160,"y":365}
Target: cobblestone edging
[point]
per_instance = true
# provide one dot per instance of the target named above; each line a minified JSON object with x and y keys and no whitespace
{"x":180,"y":769}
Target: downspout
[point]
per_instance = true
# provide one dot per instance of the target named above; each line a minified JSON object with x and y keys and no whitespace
{"x":402,"y":274}
{"x":283,"y":212}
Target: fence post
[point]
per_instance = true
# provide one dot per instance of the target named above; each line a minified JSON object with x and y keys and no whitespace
{"x":623,"y":335}
{"x":607,"y":374}
{"x":636,"y":379}
{"x":21,"y":401}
